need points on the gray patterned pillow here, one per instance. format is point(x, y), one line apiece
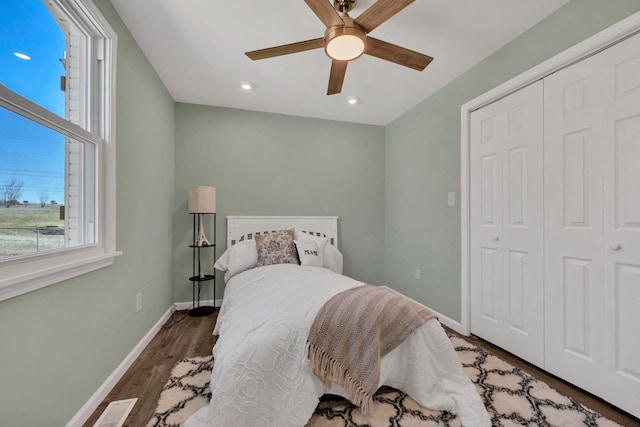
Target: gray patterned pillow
point(276, 248)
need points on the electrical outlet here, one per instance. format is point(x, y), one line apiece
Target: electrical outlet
point(138, 301)
point(417, 274)
point(451, 199)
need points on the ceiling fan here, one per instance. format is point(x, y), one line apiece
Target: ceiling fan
point(346, 39)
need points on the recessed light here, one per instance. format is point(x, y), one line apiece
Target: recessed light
point(22, 56)
point(247, 85)
point(353, 100)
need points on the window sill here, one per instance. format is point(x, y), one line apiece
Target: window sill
point(29, 274)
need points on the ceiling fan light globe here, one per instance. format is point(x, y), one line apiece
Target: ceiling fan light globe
point(344, 43)
point(345, 48)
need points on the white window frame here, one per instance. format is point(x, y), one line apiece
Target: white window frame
point(25, 274)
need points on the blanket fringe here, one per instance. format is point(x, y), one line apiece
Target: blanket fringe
point(330, 371)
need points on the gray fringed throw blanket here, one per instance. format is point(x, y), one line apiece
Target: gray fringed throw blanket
point(353, 331)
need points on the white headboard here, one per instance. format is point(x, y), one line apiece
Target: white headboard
point(245, 227)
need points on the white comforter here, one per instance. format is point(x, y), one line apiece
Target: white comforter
point(261, 375)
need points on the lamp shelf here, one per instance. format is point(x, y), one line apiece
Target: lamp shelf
point(202, 279)
point(200, 241)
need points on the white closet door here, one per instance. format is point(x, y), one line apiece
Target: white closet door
point(506, 238)
point(621, 133)
point(592, 224)
point(573, 223)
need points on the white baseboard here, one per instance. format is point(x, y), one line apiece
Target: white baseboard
point(447, 321)
point(87, 409)
point(187, 305)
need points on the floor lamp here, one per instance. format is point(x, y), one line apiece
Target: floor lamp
point(202, 200)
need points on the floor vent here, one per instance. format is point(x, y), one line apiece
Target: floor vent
point(116, 413)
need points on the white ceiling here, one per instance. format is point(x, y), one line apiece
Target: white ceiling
point(197, 48)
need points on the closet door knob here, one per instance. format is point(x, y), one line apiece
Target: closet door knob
point(496, 238)
point(615, 246)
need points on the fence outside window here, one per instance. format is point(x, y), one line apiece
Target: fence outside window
point(16, 241)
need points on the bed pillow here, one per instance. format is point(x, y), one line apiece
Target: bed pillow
point(276, 248)
point(238, 258)
point(332, 258)
point(303, 236)
point(309, 253)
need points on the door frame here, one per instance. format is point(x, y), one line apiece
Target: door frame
point(592, 45)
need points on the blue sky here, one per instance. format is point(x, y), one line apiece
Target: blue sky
point(30, 153)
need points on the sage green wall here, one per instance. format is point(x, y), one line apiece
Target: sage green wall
point(422, 158)
point(271, 164)
point(59, 344)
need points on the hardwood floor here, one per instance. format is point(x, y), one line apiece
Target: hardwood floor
point(181, 337)
point(185, 336)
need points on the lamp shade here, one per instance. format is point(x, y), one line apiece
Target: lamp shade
point(202, 199)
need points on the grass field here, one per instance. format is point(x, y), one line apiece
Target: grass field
point(21, 230)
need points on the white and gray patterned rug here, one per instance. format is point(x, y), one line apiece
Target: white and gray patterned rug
point(186, 391)
point(511, 396)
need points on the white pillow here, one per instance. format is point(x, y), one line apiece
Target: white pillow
point(309, 253)
point(238, 258)
point(303, 236)
point(331, 256)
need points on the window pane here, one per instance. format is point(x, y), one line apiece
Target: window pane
point(32, 53)
point(63, 151)
point(47, 188)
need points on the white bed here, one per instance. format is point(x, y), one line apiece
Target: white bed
point(261, 375)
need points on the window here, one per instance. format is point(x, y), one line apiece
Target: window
point(57, 143)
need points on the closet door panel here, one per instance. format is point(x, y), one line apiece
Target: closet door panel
point(627, 319)
point(490, 286)
point(573, 223)
point(523, 222)
point(626, 152)
point(621, 286)
point(506, 189)
point(486, 221)
point(577, 180)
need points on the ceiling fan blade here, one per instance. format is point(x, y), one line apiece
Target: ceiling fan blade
point(379, 12)
point(338, 70)
point(285, 49)
point(397, 54)
point(325, 11)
